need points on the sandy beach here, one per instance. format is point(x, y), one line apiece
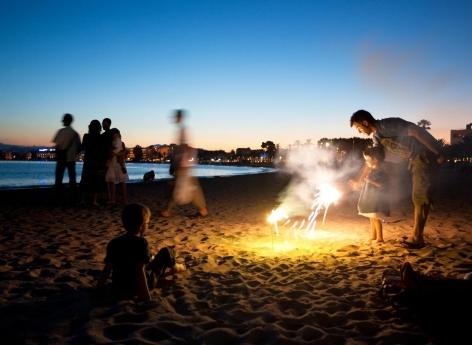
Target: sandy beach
point(241, 285)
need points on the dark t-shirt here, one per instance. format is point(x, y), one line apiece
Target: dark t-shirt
point(108, 143)
point(127, 254)
point(392, 134)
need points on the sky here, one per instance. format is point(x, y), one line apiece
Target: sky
point(245, 71)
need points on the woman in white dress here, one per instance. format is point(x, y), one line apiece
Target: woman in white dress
point(116, 172)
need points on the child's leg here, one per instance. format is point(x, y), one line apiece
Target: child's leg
point(373, 230)
point(378, 229)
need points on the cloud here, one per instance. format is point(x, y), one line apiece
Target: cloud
point(417, 85)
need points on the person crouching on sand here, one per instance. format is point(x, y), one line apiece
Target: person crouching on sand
point(373, 202)
point(128, 259)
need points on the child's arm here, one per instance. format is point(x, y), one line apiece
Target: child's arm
point(105, 275)
point(143, 290)
point(372, 182)
point(355, 184)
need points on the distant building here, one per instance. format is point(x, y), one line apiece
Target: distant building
point(458, 135)
point(164, 152)
point(46, 154)
point(8, 156)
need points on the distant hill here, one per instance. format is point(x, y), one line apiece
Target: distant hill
point(19, 148)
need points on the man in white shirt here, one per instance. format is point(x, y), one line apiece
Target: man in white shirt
point(67, 142)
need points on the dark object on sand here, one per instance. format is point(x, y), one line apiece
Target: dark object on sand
point(163, 260)
point(438, 305)
point(149, 176)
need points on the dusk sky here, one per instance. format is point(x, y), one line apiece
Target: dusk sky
point(246, 71)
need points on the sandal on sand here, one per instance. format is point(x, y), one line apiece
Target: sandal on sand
point(412, 245)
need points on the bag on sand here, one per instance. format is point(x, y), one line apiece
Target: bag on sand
point(163, 260)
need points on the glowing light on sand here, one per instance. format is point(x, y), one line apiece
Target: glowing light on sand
point(325, 196)
point(276, 216)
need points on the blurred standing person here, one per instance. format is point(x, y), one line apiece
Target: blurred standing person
point(108, 143)
point(116, 168)
point(93, 172)
point(67, 142)
point(187, 188)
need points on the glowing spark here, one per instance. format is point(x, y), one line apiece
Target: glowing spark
point(277, 215)
point(325, 195)
point(328, 195)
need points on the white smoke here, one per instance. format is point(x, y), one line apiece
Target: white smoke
point(310, 168)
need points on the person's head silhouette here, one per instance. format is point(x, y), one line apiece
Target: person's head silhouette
point(67, 119)
point(106, 124)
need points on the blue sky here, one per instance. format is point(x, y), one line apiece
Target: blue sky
point(246, 71)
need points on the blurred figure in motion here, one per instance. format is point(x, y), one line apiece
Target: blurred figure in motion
point(186, 188)
point(67, 142)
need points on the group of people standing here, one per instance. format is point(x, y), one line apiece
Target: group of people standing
point(104, 161)
point(104, 165)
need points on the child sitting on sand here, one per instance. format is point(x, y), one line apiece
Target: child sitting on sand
point(129, 260)
point(373, 202)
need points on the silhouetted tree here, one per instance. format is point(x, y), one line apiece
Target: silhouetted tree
point(138, 153)
point(270, 149)
point(424, 124)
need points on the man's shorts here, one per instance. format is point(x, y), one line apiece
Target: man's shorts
point(422, 167)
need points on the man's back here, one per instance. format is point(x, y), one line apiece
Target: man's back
point(67, 139)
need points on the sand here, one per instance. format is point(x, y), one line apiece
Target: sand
point(238, 287)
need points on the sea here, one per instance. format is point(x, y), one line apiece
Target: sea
point(27, 174)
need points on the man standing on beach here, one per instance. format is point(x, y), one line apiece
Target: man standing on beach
point(67, 142)
point(407, 141)
point(108, 147)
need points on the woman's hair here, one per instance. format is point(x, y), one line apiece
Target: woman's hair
point(94, 127)
point(134, 216)
point(376, 152)
point(114, 131)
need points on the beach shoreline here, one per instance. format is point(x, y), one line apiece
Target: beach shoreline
point(237, 288)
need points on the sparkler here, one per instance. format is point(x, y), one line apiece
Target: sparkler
point(325, 196)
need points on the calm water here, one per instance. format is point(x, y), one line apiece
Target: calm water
point(15, 174)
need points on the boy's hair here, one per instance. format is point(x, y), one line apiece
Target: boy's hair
point(376, 152)
point(362, 115)
point(134, 216)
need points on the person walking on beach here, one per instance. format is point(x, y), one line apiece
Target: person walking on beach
point(407, 141)
point(186, 189)
point(67, 142)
